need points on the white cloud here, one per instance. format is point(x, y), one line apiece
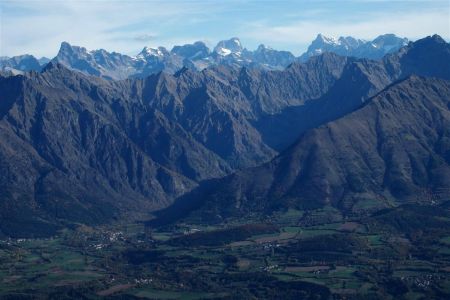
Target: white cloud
point(144, 37)
point(112, 25)
point(39, 26)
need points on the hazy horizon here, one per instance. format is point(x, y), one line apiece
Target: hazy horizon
point(39, 27)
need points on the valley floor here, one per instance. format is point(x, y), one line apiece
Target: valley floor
point(290, 255)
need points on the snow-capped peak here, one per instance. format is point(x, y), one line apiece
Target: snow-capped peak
point(223, 51)
point(350, 46)
point(227, 47)
point(327, 40)
point(389, 41)
point(149, 51)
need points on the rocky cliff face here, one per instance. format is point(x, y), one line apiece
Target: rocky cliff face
point(65, 157)
point(358, 80)
point(389, 151)
point(78, 148)
point(372, 156)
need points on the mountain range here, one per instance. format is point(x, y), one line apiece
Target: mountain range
point(388, 142)
point(22, 63)
point(222, 141)
point(350, 46)
point(367, 161)
point(197, 56)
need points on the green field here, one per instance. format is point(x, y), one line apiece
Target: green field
point(306, 253)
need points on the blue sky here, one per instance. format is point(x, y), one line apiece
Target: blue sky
point(39, 26)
